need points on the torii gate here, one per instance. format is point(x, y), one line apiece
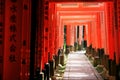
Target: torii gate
point(21, 27)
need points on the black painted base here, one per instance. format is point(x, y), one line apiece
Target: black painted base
point(118, 72)
point(112, 67)
point(46, 71)
point(51, 62)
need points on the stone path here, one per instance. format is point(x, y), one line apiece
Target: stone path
point(78, 67)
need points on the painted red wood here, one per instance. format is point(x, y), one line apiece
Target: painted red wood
point(2, 17)
point(116, 48)
point(12, 45)
point(87, 34)
point(60, 33)
point(98, 31)
point(103, 31)
point(75, 34)
point(93, 34)
point(90, 33)
point(118, 33)
point(52, 24)
point(80, 35)
point(57, 35)
point(72, 37)
point(51, 27)
point(61, 36)
point(68, 39)
point(25, 47)
point(79, 0)
point(109, 29)
point(55, 31)
point(45, 32)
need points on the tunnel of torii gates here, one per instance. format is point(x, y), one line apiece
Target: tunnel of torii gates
point(33, 31)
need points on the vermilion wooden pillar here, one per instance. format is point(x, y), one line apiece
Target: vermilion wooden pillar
point(117, 28)
point(98, 26)
point(93, 37)
point(61, 36)
point(45, 31)
point(57, 32)
point(2, 26)
point(106, 27)
point(53, 29)
point(75, 33)
point(12, 45)
point(68, 39)
point(109, 29)
point(25, 39)
point(69, 35)
point(103, 31)
point(72, 35)
point(116, 31)
point(60, 29)
point(88, 35)
point(117, 36)
point(55, 26)
point(39, 36)
point(51, 11)
point(56, 39)
point(79, 39)
point(85, 32)
point(91, 33)
point(52, 24)
point(80, 34)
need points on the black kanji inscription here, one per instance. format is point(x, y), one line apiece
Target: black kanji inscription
point(13, 38)
point(13, 28)
point(1, 59)
point(1, 29)
point(1, 41)
point(1, 36)
point(25, 7)
point(13, 1)
point(23, 61)
point(13, 8)
point(1, 24)
point(24, 42)
point(13, 18)
point(12, 58)
point(12, 48)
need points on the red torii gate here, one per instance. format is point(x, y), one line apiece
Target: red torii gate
point(105, 39)
point(80, 0)
point(23, 42)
